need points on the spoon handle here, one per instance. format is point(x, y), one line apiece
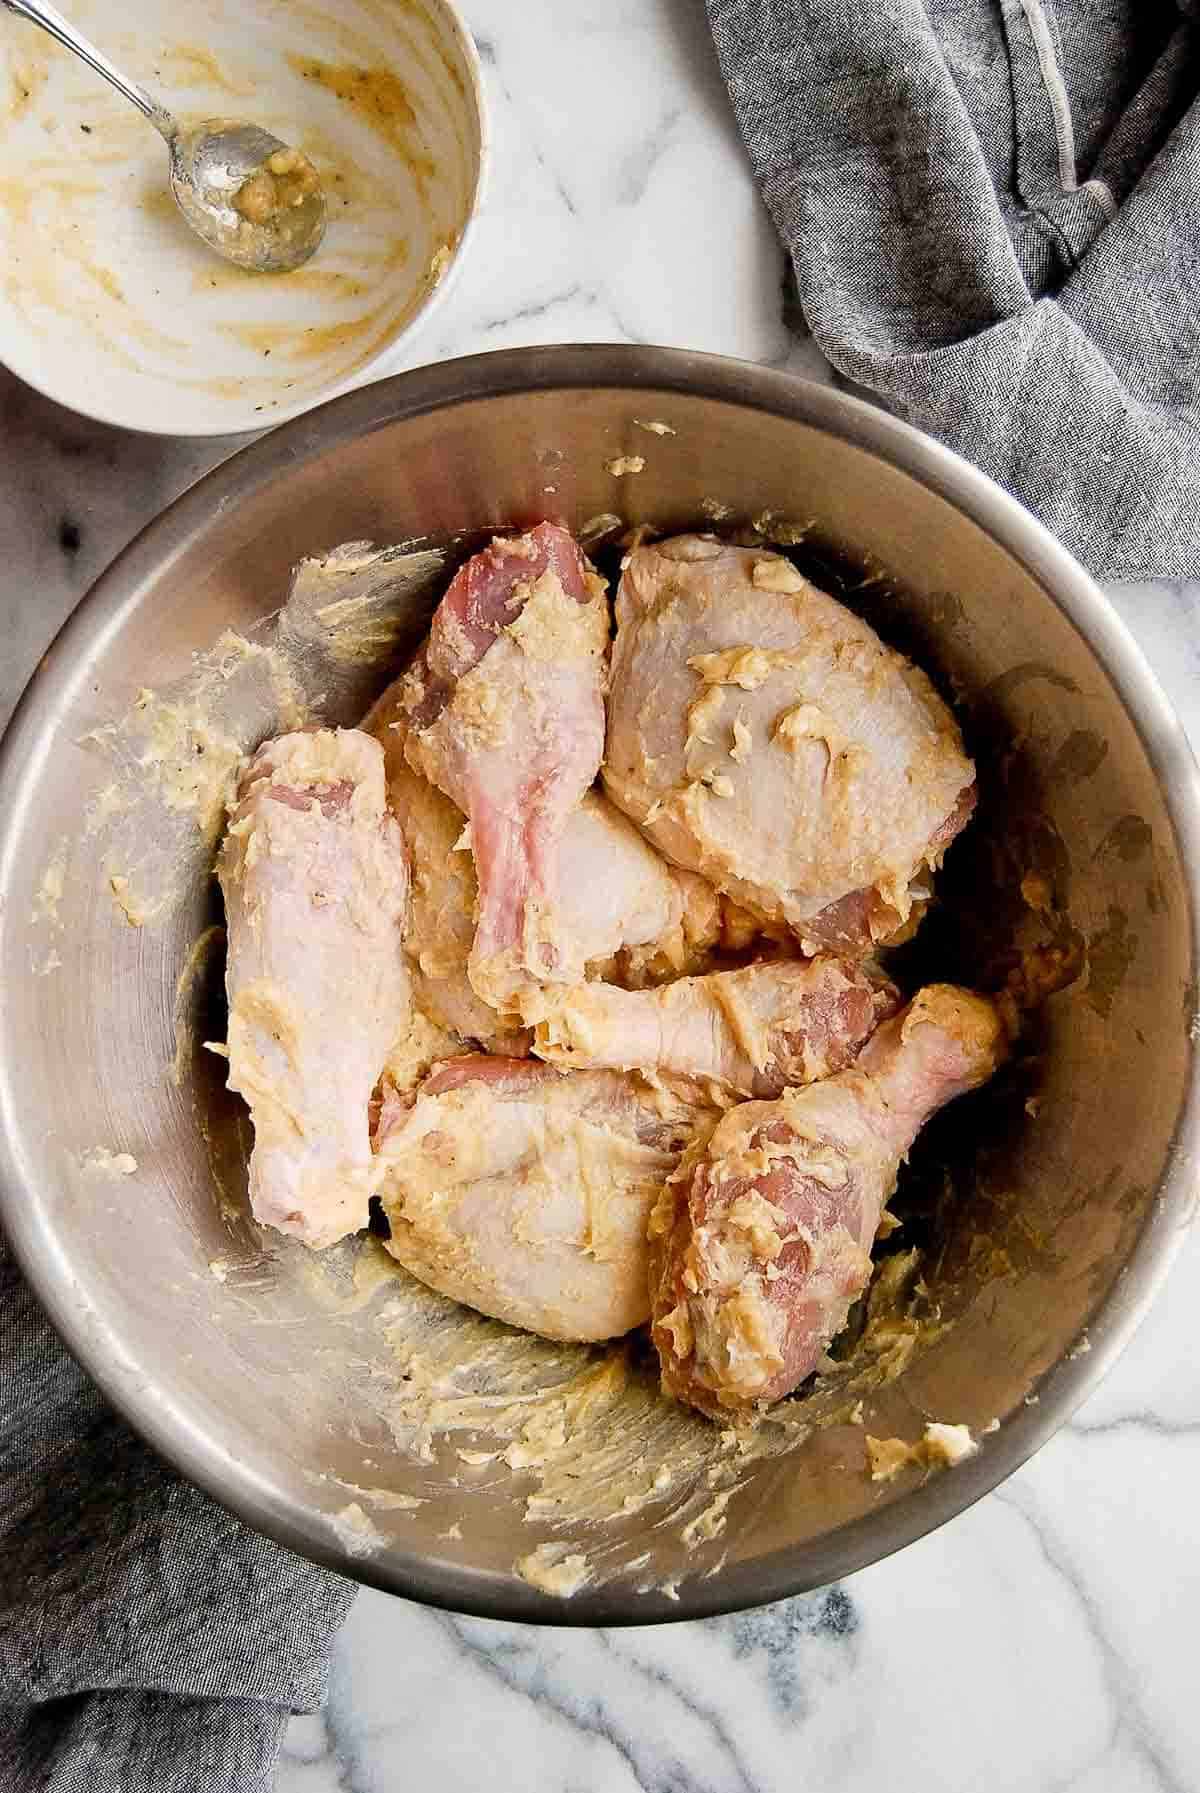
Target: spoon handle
point(40, 12)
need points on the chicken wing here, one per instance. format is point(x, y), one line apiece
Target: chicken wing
point(524, 1191)
point(506, 716)
point(315, 882)
point(756, 1031)
point(759, 1248)
point(764, 736)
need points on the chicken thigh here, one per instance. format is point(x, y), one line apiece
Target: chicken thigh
point(759, 1248)
point(761, 734)
point(756, 1031)
point(618, 897)
point(315, 884)
point(505, 707)
point(524, 1191)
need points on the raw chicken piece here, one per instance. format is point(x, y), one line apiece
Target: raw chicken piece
point(764, 1241)
point(756, 1031)
point(762, 735)
point(441, 913)
point(524, 1191)
point(315, 883)
point(506, 712)
point(621, 897)
point(617, 895)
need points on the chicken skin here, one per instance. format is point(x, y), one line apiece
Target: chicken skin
point(441, 914)
point(760, 1246)
point(505, 707)
point(617, 895)
point(524, 1191)
point(762, 735)
point(756, 1031)
point(315, 882)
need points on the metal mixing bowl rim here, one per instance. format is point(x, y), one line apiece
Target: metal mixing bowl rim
point(793, 1569)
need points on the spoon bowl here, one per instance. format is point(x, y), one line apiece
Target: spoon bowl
point(212, 165)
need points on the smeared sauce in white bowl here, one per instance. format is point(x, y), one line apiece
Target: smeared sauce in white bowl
point(110, 306)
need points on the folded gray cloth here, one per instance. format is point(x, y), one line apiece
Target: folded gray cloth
point(149, 1642)
point(992, 209)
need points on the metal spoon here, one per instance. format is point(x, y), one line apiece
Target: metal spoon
point(251, 198)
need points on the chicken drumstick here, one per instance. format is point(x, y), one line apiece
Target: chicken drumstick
point(759, 1248)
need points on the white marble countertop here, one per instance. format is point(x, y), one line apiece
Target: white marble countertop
point(1045, 1639)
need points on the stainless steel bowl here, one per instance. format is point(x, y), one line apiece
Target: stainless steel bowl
point(1063, 1222)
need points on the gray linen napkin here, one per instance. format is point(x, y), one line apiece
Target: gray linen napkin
point(149, 1642)
point(992, 209)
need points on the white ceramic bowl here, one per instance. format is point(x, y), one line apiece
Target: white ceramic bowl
point(109, 305)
